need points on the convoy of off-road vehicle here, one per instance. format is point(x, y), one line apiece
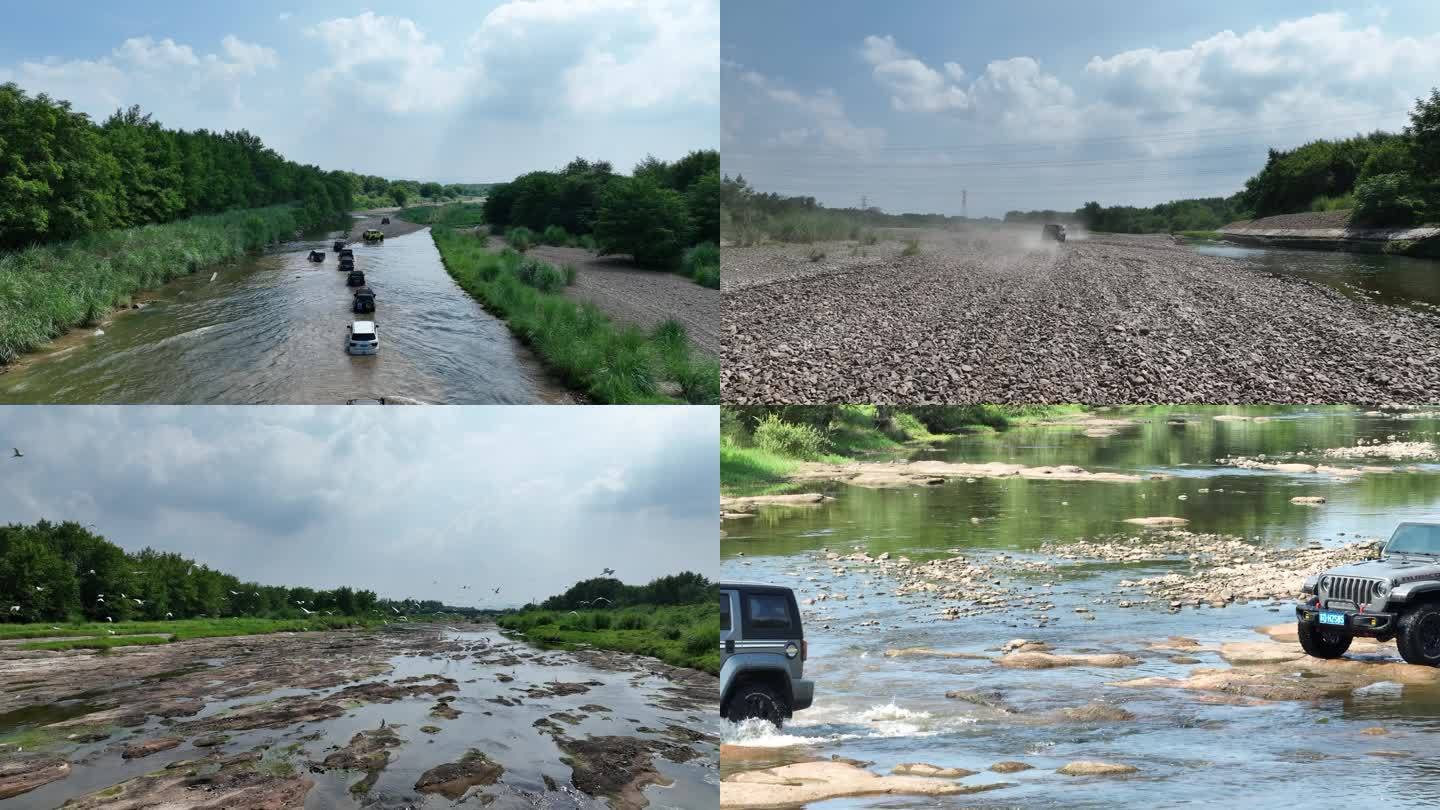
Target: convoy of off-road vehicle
point(362, 299)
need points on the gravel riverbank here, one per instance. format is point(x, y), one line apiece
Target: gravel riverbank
point(1105, 319)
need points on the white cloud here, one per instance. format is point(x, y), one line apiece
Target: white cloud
point(632, 54)
point(386, 60)
point(285, 15)
point(1272, 73)
point(827, 122)
point(914, 86)
point(144, 67)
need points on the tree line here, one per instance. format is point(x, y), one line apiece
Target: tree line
point(1384, 178)
point(56, 572)
point(373, 191)
point(63, 176)
point(687, 588)
point(654, 214)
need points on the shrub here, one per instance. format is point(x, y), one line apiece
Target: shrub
point(570, 273)
point(912, 248)
point(520, 238)
point(700, 637)
point(631, 621)
point(555, 235)
point(1387, 199)
point(702, 263)
point(586, 241)
point(1324, 202)
point(543, 276)
point(785, 439)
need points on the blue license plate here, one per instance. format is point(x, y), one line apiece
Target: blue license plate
point(1331, 617)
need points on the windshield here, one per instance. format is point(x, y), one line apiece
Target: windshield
point(363, 337)
point(1415, 538)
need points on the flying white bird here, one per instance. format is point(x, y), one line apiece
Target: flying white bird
point(609, 571)
point(39, 588)
point(497, 590)
point(397, 613)
point(307, 612)
point(108, 619)
point(600, 599)
point(169, 615)
point(573, 613)
point(111, 632)
point(140, 602)
point(14, 608)
point(234, 593)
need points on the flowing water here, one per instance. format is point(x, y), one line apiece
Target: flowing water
point(272, 328)
point(1190, 750)
point(1399, 280)
point(635, 703)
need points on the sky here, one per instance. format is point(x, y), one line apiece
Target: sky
point(446, 90)
point(1030, 105)
point(411, 502)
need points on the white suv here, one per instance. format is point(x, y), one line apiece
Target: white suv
point(363, 338)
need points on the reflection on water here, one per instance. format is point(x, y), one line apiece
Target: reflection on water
point(1190, 749)
point(271, 329)
point(1392, 279)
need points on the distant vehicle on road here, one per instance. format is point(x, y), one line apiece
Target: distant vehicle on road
point(363, 339)
point(1054, 231)
point(1396, 596)
point(317, 255)
point(385, 220)
point(339, 246)
point(762, 653)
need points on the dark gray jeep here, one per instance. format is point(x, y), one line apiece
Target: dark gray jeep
point(1396, 596)
point(762, 653)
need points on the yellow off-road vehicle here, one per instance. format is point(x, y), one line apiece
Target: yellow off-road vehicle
point(374, 235)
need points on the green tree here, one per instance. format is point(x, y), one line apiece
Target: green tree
point(639, 217)
point(399, 194)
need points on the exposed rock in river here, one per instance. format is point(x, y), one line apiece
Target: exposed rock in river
point(453, 779)
point(806, 782)
point(24, 772)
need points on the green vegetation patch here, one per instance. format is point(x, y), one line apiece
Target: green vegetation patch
point(96, 643)
point(609, 362)
point(452, 215)
point(680, 635)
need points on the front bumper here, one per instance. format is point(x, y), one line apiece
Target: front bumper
point(1359, 623)
point(802, 694)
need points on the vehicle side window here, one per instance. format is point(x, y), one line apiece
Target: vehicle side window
point(724, 612)
point(768, 611)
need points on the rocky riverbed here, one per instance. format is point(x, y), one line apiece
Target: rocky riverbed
point(415, 717)
point(1110, 319)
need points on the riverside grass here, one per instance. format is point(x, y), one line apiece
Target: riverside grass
point(94, 635)
point(679, 635)
point(611, 363)
point(49, 289)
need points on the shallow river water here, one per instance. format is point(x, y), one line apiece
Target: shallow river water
point(1400, 280)
point(623, 696)
point(1190, 749)
point(272, 328)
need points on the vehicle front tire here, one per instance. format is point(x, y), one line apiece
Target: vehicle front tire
point(1323, 642)
point(1418, 635)
point(757, 700)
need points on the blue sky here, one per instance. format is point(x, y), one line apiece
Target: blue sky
point(446, 90)
point(1030, 104)
point(392, 499)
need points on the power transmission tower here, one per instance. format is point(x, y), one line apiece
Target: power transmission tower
point(864, 203)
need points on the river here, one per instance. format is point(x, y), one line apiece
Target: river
point(268, 721)
point(271, 329)
point(1372, 745)
point(1399, 280)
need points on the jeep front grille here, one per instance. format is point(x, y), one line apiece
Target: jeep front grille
point(1348, 589)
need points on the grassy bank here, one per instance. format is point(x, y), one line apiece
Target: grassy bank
point(1215, 235)
point(681, 635)
point(611, 363)
point(47, 290)
point(95, 635)
point(452, 215)
point(761, 446)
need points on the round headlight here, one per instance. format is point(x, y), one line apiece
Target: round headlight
point(792, 649)
point(1325, 583)
point(1381, 589)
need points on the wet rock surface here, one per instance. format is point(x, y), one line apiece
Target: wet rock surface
point(1111, 319)
point(198, 707)
point(454, 779)
point(806, 782)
